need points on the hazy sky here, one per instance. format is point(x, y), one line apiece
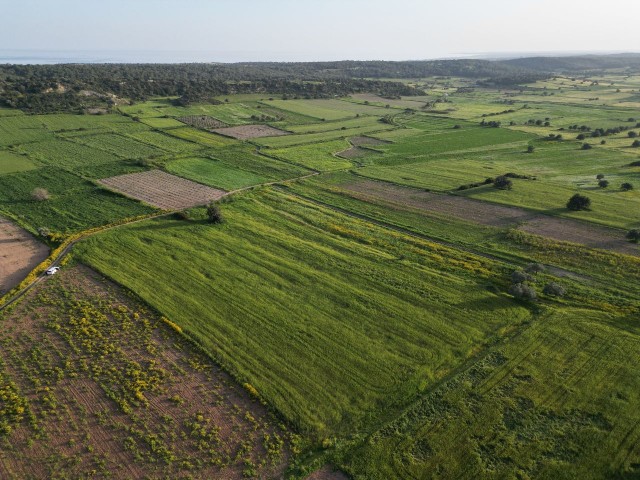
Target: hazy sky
point(239, 30)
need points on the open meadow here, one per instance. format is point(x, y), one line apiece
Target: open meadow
point(389, 286)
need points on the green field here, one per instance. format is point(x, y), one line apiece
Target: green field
point(558, 401)
point(214, 173)
point(317, 156)
point(325, 300)
point(12, 163)
point(75, 204)
point(366, 302)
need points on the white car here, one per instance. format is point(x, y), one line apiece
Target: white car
point(52, 270)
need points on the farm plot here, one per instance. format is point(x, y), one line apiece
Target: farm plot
point(318, 156)
point(327, 109)
point(214, 173)
point(12, 163)
point(19, 129)
point(67, 154)
point(308, 138)
point(356, 152)
point(94, 384)
point(20, 253)
point(247, 132)
point(484, 213)
point(162, 190)
point(161, 122)
point(205, 139)
point(558, 401)
point(123, 147)
point(311, 298)
point(74, 204)
point(166, 142)
point(203, 122)
point(366, 141)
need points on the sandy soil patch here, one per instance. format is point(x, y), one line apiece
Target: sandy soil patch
point(327, 473)
point(162, 189)
point(77, 349)
point(246, 132)
point(20, 252)
point(494, 215)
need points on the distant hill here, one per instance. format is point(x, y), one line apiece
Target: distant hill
point(577, 64)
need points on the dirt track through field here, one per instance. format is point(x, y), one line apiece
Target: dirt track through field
point(20, 252)
point(484, 213)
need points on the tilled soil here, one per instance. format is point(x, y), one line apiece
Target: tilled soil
point(20, 253)
point(163, 190)
point(494, 215)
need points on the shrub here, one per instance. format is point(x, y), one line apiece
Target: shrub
point(579, 202)
point(534, 268)
point(523, 291)
point(600, 176)
point(626, 186)
point(636, 144)
point(603, 183)
point(182, 215)
point(40, 194)
point(518, 276)
point(214, 214)
point(531, 149)
point(503, 183)
point(554, 289)
point(580, 137)
point(632, 134)
point(634, 235)
point(586, 146)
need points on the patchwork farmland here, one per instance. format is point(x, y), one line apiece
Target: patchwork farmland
point(262, 286)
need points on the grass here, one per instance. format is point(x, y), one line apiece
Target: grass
point(12, 163)
point(327, 109)
point(309, 138)
point(557, 401)
point(75, 204)
point(205, 139)
point(67, 155)
point(317, 156)
point(214, 173)
point(294, 298)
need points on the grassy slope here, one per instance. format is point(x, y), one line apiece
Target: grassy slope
point(294, 298)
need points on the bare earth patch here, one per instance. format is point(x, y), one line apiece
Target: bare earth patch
point(484, 213)
point(246, 132)
point(162, 190)
point(327, 473)
point(366, 141)
point(101, 387)
point(203, 122)
point(20, 253)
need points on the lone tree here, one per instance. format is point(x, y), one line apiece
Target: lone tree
point(636, 144)
point(40, 194)
point(503, 183)
point(534, 268)
point(554, 289)
point(586, 146)
point(603, 183)
point(634, 235)
point(579, 202)
point(600, 176)
point(213, 213)
point(531, 149)
point(626, 186)
point(518, 276)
